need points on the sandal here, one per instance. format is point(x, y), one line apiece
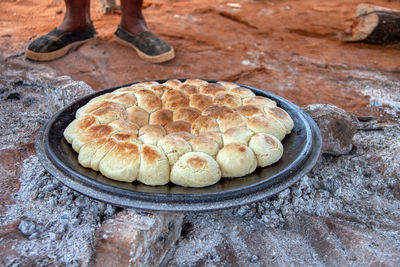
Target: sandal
point(57, 43)
point(148, 46)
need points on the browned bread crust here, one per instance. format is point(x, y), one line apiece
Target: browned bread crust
point(190, 133)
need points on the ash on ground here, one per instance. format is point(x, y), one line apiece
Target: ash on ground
point(29, 97)
point(370, 174)
point(59, 224)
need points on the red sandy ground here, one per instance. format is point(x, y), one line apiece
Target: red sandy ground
point(287, 47)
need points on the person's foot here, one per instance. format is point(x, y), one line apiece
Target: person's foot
point(58, 42)
point(148, 46)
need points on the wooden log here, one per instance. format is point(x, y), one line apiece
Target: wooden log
point(109, 7)
point(374, 25)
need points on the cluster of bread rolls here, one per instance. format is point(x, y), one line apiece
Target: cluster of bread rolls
point(189, 133)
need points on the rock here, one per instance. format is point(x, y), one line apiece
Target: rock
point(13, 96)
point(342, 243)
point(254, 259)
point(337, 128)
point(136, 239)
point(27, 228)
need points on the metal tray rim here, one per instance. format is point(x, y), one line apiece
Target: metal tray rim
point(213, 200)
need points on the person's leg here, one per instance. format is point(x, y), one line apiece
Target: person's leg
point(75, 29)
point(77, 15)
point(133, 32)
point(132, 19)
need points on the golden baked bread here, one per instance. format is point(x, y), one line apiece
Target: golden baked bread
point(191, 133)
point(236, 160)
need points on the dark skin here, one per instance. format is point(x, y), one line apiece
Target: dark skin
point(77, 16)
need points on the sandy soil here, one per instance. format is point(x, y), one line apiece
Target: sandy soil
point(287, 47)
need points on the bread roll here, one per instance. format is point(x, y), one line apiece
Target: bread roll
point(216, 136)
point(280, 115)
point(152, 128)
point(188, 89)
point(174, 147)
point(105, 111)
point(217, 111)
point(184, 135)
point(126, 99)
point(154, 166)
point(177, 126)
point(151, 133)
point(259, 101)
point(125, 126)
point(122, 162)
point(161, 117)
point(125, 137)
point(148, 100)
point(204, 144)
point(204, 124)
point(101, 152)
point(133, 88)
point(200, 102)
point(228, 85)
point(110, 112)
point(187, 114)
point(79, 125)
point(158, 89)
point(88, 150)
point(174, 100)
point(172, 83)
point(267, 148)
point(238, 134)
point(242, 92)
point(99, 98)
point(228, 99)
point(91, 106)
point(195, 169)
point(92, 133)
point(196, 82)
point(260, 124)
point(236, 160)
point(147, 84)
point(138, 116)
point(230, 120)
point(211, 89)
point(250, 110)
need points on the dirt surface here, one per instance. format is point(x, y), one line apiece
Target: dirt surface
point(286, 47)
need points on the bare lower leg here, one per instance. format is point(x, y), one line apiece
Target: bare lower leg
point(77, 15)
point(132, 19)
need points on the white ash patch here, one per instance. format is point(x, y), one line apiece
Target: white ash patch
point(203, 245)
point(28, 101)
point(383, 91)
point(366, 178)
point(58, 223)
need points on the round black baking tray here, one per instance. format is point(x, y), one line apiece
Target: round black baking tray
point(301, 151)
